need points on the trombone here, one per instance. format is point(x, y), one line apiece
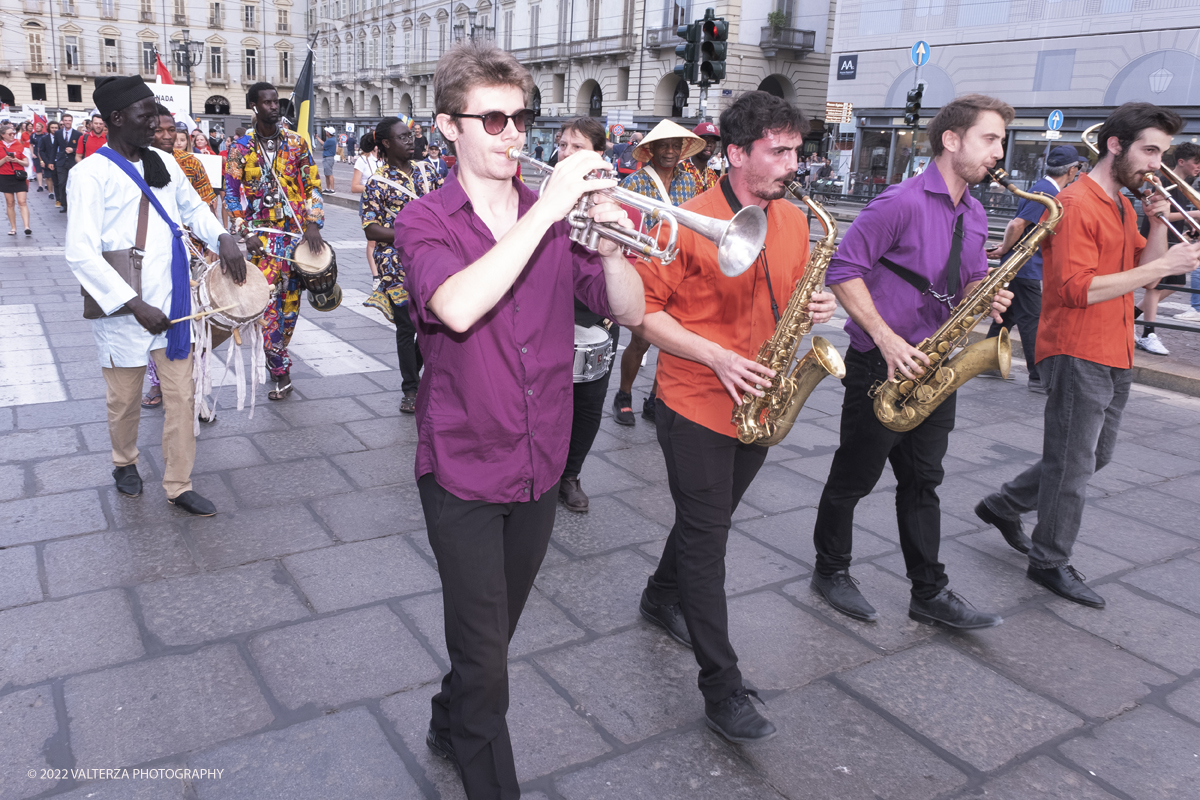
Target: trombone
point(1156, 183)
point(739, 240)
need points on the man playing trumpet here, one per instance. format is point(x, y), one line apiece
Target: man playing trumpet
point(708, 328)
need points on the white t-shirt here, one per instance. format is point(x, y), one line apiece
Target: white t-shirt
point(366, 165)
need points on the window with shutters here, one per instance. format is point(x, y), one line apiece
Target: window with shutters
point(216, 61)
point(148, 60)
point(36, 61)
point(146, 11)
point(109, 63)
point(285, 66)
point(535, 21)
point(249, 18)
point(71, 53)
point(250, 71)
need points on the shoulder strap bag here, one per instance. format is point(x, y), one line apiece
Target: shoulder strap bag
point(126, 263)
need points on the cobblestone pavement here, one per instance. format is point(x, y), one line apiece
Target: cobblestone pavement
point(294, 640)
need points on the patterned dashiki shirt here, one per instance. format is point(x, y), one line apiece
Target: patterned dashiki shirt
point(684, 185)
point(382, 200)
point(706, 179)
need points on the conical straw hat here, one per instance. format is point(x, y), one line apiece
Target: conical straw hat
point(666, 129)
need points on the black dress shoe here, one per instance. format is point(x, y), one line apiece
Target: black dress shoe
point(947, 608)
point(441, 746)
point(841, 592)
point(669, 618)
point(193, 503)
point(129, 483)
point(648, 408)
point(571, 494)
point(1013, 530)
point(1066, 581)
point(737, 720)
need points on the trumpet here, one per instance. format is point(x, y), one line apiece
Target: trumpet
point(1156, 183)
point(739, 240)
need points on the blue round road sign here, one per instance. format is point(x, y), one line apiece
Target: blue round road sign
point(919, 54)
point(1055, 121)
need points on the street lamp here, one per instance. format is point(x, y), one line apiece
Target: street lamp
point(188, 54)
point(461, 32)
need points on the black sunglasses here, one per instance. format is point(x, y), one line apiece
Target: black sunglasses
point(494, 122)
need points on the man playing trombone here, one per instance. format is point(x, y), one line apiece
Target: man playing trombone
point(1085, 342)
point(709, 328)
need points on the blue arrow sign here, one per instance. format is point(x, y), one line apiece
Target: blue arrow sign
point(1055, 120)
point(919, 54)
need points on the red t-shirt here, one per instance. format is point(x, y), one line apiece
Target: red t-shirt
point(90, 143)
point(16, 150)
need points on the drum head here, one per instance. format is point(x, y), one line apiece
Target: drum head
point(249, 300)
point(312, 263)
point(593, 335)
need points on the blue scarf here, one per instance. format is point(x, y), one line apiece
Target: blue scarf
point(179, 335)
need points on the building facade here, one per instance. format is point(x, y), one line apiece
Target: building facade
point(51, 51)
point(1082, 58)
point(586, 56)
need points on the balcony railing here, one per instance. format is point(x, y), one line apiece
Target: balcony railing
point(249, 24)
point(180, 19)
point(790, 43)
point(38, 68)
point(145, 16)
point(658, 38)
point(282, 28)
point(541, 53)
point(396, 71)
point(605, 45)
point(216, 77)
point(422, 67)
point(216, 22)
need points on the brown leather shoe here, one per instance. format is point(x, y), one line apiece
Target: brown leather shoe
point(572, 496)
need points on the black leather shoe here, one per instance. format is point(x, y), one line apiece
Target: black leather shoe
point(129, 483)
point(441, 746)
point(623, 408)
point(1013, 530)
point(947, 608)
point(841, 592)
point(737, 720)
point(648, 408)
point(193, 503)
point(571, 494)
point(1066, 581)
point(669, 618)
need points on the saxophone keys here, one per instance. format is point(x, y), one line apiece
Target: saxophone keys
point(906, 386)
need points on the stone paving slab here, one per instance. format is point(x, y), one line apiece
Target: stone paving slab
point(370, 513)
point(830, 746)
point(340, 755)
point(941, 694)
point(332, 661)
point(253, 534)
point(155, 708)
point(64, 637)
point(19, 577)
point(37, 519)
point(1044, 779)
point(214, 605)
point(360, 573)
point(1147, 753)
point(115, 558)
point(27, 722)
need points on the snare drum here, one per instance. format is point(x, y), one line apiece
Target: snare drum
point(218, 290)
point(593, 353)
point(318, 273)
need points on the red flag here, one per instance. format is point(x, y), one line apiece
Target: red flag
point(160, 69)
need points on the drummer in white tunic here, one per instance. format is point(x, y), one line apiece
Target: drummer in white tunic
point(137, 328)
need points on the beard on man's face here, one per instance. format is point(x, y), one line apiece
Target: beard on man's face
point(1125, 173)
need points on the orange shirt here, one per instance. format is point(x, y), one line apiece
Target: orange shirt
point(1091, 239)
point(735, 313)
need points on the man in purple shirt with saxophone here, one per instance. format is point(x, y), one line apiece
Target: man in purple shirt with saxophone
point(911, 255)
point(492, 278)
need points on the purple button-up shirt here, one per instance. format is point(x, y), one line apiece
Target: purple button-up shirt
point(495, 404)
point(910, 224)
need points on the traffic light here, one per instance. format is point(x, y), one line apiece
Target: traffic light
point(713, 48)
point(912, 108)
point(689, 51)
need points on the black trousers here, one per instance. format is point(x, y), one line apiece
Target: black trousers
point(708, 473)
point(407, 349)
point(1024, 313)
point(487, 556)
point(916, 458)
point(60, 183)
point(589, 408)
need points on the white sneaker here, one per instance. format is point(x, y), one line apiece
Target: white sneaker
point(1151, 344)
point(1191, 315)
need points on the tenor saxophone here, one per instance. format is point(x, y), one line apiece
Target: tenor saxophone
point(902, 404)
point(766, 420)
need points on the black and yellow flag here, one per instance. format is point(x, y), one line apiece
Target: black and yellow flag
point(303, 100)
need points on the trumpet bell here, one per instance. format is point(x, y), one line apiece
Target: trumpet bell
point(741, 241)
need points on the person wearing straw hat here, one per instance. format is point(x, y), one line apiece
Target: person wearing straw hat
point(664, 176)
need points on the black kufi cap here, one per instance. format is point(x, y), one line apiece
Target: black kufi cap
point(115, 93)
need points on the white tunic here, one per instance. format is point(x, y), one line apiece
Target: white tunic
point(103, 216)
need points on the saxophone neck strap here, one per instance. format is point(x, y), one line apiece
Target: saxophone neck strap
point(953, 270)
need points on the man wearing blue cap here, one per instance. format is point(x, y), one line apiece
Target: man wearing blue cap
point(1062, 167)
